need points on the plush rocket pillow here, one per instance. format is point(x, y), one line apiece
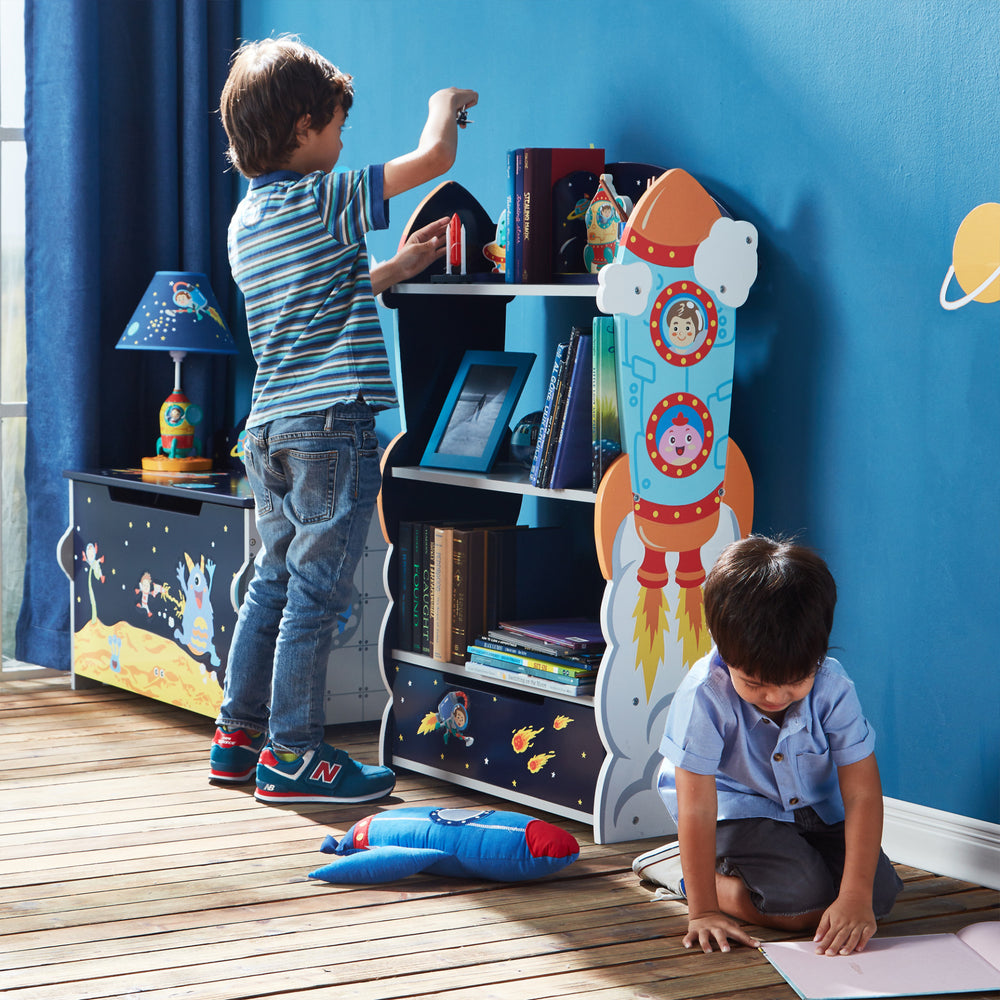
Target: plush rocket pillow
point(464, 843)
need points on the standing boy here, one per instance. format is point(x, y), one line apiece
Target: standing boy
point(297, 250)
point(769, 770)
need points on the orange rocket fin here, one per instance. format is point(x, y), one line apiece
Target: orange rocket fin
point(614, 502)
point(651, 625)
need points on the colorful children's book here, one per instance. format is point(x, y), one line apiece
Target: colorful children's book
point(572, 464)
point(510, 674)
point(606, 435)
point(555, 427)
point(534, 476)
point(921, 965)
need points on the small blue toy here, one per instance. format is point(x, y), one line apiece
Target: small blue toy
point(462, 843)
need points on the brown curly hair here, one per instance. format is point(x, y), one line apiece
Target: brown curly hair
point(271, 85)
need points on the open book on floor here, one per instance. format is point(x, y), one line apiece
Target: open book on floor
point(922, 965)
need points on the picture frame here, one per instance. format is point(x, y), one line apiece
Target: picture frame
point(477, 410)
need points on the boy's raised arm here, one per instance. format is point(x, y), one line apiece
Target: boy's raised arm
point(435, 152)
point(697, 807)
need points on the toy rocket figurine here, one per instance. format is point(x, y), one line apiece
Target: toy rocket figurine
point(605, 217)
point(455, 247)
point(680, 272)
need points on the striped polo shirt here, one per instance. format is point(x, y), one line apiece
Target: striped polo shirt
point(297, 252)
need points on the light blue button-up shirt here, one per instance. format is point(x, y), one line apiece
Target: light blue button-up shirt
point(761, 768)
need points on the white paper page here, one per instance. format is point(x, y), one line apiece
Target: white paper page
point(984, 938)
point(903, 966)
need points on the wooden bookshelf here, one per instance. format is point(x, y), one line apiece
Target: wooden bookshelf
point(561, 765)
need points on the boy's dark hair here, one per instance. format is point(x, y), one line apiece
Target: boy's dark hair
point(769, 606)
point(272, 83)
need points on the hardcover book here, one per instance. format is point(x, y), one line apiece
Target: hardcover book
point(572, 464)
point(468, 589)
point(543, 167)
point(605, 432)
point(555, 428)
point(571, 633)
point(550, 402)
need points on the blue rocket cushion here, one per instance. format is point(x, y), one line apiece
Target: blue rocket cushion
point(464, 843)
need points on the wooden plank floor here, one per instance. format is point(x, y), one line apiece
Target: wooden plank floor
point(123, 873)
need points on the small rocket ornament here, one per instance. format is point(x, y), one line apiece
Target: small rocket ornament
point(680, 272)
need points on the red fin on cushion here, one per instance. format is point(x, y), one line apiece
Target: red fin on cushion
point(548, 841)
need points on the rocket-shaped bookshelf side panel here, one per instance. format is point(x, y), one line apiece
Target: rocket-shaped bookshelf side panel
point(681, 270)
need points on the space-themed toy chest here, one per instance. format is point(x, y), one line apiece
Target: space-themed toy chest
point(534, 748)
point(157, 565)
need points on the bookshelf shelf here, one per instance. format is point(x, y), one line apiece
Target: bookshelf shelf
point(499, 289)
point(503, 479)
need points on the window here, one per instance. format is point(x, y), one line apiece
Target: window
point(13, 393)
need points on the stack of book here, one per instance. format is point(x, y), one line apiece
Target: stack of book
point(546, 187)
point(560, 656)
point(563, 453)
point(458, 579)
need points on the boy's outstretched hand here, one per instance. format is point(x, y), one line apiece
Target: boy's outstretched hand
point(422, 248)
point(845, 927)
point(419, 251)
point(717, 928)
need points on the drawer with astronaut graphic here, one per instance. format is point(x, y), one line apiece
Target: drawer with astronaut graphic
point(521, 745)
point(157, 565)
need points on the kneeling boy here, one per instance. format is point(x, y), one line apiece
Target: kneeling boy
point(769, 768)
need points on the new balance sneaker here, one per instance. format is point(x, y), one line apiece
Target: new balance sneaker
point(234, 755)
point(662, 867)
point(321, 775)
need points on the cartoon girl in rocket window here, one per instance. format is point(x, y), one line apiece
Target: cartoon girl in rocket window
point(682, 438)
point(684, 323)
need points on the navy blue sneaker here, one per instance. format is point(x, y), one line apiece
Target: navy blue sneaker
point(233, 759)
point(321, 775)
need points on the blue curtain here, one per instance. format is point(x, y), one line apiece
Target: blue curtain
point(126, 176)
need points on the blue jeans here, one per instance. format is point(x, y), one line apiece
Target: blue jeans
point(315, 480)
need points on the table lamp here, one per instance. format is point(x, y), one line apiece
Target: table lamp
point(178, 313)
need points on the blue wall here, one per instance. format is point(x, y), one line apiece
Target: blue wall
point(856, 137)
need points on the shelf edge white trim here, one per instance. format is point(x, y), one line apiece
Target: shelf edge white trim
point(553, 290)
point(497, 482)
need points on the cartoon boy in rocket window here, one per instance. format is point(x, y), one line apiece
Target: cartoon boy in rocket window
point(683, 323)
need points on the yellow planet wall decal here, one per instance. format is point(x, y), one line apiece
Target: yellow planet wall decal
point(975, 258)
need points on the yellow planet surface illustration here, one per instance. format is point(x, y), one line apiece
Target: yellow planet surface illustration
point(127, 657)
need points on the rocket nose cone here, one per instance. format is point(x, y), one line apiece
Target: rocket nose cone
point(675, 211)
point(545, 840)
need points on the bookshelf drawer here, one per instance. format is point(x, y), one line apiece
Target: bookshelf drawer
point(524, 745)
